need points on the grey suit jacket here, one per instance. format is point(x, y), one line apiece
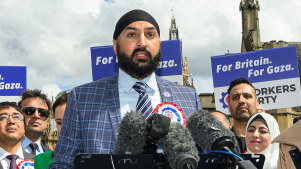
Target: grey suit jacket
point(26, 156)
point(92, 117)
point(45, 149)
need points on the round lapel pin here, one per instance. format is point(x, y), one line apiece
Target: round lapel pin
point(167, 94)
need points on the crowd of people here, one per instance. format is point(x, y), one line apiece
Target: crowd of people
point(89, 115)
point(22, 126)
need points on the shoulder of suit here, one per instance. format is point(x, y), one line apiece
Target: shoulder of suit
point(99, 83)
point(290, 136)
point(43, 155)
point(27, 155)
point(173, 84)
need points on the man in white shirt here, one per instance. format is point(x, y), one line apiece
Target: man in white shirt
point(11, 134)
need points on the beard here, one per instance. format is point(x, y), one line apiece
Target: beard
point(242, 116)
point(127, 63)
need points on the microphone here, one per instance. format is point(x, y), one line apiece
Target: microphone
point(179, 148)
point(132, 133)
point(209, 133)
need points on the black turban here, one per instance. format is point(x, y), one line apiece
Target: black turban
point(133, 16)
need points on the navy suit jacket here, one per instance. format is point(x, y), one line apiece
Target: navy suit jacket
point(92, 117)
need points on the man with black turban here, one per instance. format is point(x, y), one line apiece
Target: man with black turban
point(94, 110)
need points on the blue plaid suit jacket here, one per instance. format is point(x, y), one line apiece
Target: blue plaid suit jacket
point(92, 117)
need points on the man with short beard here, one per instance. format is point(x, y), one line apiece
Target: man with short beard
point(94, 110)
point(242, 104)
point(35, 106)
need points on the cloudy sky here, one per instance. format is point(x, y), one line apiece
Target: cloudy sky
point(52, 38)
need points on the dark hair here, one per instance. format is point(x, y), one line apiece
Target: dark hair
point(35, 93)
point(296, 119)
point(259, 118)
point(60, 101)
point(7, 105)
point(225, 115)
point(239, 81)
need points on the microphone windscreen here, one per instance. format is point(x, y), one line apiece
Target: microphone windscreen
point(206, 129)
point(132, 133)
point(179, 147)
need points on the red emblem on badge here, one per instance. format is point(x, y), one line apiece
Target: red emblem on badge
point(26, 164)
point(172, 111)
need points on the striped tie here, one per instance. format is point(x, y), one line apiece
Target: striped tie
point(144, 104)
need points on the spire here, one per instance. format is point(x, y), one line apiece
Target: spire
point(173, 30)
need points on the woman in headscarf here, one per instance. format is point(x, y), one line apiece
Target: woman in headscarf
point(262, 128)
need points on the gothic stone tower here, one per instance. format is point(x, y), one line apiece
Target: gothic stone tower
point(250, 25)
point(174, 35)
point(173, 30)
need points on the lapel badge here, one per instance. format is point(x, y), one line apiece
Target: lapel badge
point(167, 94)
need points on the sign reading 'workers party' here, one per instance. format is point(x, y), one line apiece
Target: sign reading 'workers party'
point(12, 80)
point(104, 62)
point(273, 72)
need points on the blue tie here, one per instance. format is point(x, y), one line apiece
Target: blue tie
point(144, 104)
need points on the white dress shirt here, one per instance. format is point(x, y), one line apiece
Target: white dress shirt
point(6, 162)
point(128, 96)
point(25, 144)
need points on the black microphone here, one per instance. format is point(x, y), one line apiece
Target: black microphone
point(179, 148)
point(132, 133)
point(157, 128)
point(209, 133)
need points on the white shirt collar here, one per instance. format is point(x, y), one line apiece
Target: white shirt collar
point(26, 141)
point(4, 153)
point(126, 82)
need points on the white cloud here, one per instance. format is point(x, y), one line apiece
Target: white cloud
point(51, 90)
point(53, 38)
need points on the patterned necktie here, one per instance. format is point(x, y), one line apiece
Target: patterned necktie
point(144, 104)
point(13, 163)
point(33, 147)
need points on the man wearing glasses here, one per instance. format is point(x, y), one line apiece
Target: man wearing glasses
point(35, 106)
point(11, 134)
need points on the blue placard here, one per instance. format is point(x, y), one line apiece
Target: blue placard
point(273, 72)
point(12, 80)
point(256, 66)
point(104, 62)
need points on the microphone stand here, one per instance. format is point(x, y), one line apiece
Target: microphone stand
point(151, 148)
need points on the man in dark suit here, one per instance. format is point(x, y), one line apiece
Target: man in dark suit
point(11, 134)
point(94, 110)
point(35, 106)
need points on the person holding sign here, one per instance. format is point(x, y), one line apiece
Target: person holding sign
point(94, 110)
point(243, 103)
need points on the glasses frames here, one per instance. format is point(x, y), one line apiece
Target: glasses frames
point(31, 110)
point(17, 117)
